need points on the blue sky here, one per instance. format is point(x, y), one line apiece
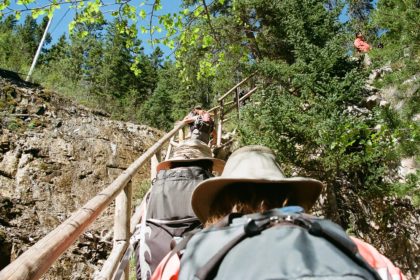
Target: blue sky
point(63, 16)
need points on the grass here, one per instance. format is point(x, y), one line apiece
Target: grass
point(132, 268)
point(140, 191)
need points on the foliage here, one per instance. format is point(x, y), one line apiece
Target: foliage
point(157, 111)
point(90, 12)
point(96, 69)
point(312, 113)
point(26, 36)
point(399, 22)
point(140, 191)
point(359, 12)
point(409, 188)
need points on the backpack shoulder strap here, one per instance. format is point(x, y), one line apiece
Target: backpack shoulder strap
point(251, 228)
point(335, 234)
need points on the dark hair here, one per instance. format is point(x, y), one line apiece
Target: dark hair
point(246, 198)
point(358, 33)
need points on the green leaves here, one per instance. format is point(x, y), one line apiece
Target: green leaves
point(185, 12)
point(38, 12)
point(142, 14)
point(207, 41)
point(24, 2)
point(4, 4)
point(129, 11)
point(157, 5)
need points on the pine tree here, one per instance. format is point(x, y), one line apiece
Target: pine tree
point(160, 109)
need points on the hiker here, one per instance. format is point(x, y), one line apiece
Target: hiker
point(253, 215)
point(201, 125)
point(360, 44)
point(168, 210)
point(362, 48)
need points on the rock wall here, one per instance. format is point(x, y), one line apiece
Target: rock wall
point(54, 157)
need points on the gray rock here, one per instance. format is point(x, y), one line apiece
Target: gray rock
point(50, 170)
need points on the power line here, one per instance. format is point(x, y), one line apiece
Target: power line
point(61, 19)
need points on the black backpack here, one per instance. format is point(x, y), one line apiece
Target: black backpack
point(279, 244)
point(168, 216)
point(204, 124)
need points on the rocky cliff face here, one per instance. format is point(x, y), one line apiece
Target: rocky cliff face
point(54, 157)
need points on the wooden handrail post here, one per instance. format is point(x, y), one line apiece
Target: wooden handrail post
point(237, 101)
point(181, 135)
point(169, 150)
point(122, 233)
point(154, 161)
point(219, 124)
point(122, 220)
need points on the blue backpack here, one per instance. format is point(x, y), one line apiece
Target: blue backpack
point(279, 244)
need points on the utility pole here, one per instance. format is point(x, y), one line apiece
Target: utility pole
point(38, 51)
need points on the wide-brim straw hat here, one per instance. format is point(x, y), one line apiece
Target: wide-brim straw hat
point(190, 151)
point(256, 165)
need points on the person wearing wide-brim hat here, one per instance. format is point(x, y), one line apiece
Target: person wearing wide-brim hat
point(252, 176)
point(252, 182)
point(191, 152)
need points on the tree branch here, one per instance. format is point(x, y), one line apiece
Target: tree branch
point(209, 22)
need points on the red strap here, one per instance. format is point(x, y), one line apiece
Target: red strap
point(379, 262)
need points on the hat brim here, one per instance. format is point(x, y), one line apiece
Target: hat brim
point(218, 164)
point(302, 191)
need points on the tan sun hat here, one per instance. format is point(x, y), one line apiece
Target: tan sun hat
point(254, 164)
point(190, 151)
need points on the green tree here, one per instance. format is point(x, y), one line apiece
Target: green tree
point(8, 41)
point(20, 42)
point(359, 13)
point(30, 34)
point(118, 77)
point(399, 22)
point(52, 64)
point(160, 109)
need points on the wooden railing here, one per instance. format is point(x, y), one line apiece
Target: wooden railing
point(38, 258)
point(224, 107)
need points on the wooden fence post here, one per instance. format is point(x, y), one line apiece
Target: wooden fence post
point(219, 125)
point(169, 150)
point(181, 135)
point(237, 101)
point(122, 220)
point(154, 161)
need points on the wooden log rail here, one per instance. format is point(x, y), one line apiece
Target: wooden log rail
point(236, 86)
point(224, 107)
point(34, 262)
